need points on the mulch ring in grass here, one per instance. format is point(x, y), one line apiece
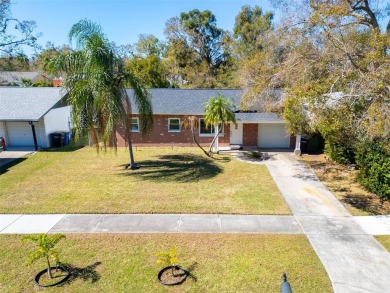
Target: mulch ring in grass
point(58, 276)
point(341, 181)
point(172, 276)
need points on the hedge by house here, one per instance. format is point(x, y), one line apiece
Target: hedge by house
point(373, 159)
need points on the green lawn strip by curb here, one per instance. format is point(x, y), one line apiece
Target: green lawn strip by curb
point(127, 263)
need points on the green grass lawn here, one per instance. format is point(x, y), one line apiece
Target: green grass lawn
point(170, 180)
point(384, 240)
point(127, 263)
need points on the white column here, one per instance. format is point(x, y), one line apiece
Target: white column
point(297, 150)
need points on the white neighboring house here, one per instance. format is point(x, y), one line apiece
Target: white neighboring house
point(25, 111)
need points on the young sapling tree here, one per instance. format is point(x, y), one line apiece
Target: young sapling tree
point(44, 248)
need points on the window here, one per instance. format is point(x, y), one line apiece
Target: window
point(134, 125)
point(209, 130)
point(174, 124)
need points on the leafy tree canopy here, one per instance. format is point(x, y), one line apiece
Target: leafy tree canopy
point(250, 25)
point(150, 70)
point(19, 62)
point(15, 33)
point(148, 45)
point(198, 52)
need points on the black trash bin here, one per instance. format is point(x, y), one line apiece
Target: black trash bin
point(57, 139)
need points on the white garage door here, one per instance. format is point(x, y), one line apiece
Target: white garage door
point(273, 136)
point(19, 134)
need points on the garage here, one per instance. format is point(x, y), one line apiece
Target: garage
point(20, 134)
point(43, 108)
point(273, 135)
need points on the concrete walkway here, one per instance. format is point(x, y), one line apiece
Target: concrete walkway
point(354, 260)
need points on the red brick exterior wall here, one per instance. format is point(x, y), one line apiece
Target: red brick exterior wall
point(161, 136)
point(250, 134)
point(292, 141)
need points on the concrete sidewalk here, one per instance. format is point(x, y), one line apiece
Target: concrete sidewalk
point(354, 260)
point(147, 223)
point(168, 223)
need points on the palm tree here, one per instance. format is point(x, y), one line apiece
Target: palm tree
point(218, 111)
point(192, 123)
point(95, 80)
point(45, 248)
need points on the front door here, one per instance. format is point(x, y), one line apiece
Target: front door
point(236, 134)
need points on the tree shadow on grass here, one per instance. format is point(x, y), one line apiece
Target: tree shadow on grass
point(177, 168)
point(87, 274)
point(190, 269)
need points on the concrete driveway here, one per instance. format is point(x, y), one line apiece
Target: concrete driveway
point(354, 260)
point(13, 153)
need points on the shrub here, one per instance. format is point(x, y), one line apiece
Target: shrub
point(373, 159)
point(340, 153)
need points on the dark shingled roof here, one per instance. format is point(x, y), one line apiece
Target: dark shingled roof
point(256, 117)
point(185, 101)
point(191, 101)
point(30, 104)
point(27, 104)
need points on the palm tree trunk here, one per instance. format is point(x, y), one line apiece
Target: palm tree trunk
point(215, 139)
point(48, 268)
point(133, 165)
point(127, 118)
point(197, 143)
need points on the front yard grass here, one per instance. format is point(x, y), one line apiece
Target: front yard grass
point(127, 263)
point(170, 180)
point(384, 240)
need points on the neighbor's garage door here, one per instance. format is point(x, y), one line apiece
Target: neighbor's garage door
point(273, 136)
point(19, 134)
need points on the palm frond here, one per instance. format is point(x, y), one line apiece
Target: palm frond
point(44, 246)
point(95, 83)
point(34, 256)
point(81, 31)
point(143, 101)
point(219, 110)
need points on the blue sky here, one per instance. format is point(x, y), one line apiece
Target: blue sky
point(122, 20)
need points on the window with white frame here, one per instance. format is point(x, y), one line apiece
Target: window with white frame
point(174, 125)
point(134, 124)
point(209, 130)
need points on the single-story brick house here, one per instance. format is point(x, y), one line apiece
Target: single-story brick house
point(172, 106)
point(28, 116)
point(44, 109)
